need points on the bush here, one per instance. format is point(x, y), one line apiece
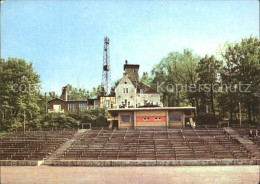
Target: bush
point(11, 124)
point(54, 120)
point(34, 124)
point(97, 117)
point(206, 119)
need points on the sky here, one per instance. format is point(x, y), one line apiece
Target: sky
point(64, 39)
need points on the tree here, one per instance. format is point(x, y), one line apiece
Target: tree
point(190, 62)
point(242, 66)
point(77, 93)
point(145, 79)
point(208, 70)
point(97, 92)
point(19, 92)
point(172, 74)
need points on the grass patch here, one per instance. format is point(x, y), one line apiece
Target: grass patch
point(3, 133)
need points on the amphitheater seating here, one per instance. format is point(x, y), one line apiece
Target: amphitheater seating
point(125, 144)
point(243, 132)
point(33, 145)
point(156, 144)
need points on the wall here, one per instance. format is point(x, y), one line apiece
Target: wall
point(121, 96)
point(152, 97)
point(133, 73)
point(64, 105)
point(157, 118)
point(125, 124)
point(149, 163)
point(112, 101)
point(152, 114)
point(177, 123)
point(77, 104)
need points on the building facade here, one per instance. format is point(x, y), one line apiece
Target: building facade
point(138, 105)
point(130, 93)
point(58, 105)
point(62, 105)
point(107, 102)
point(151, 117)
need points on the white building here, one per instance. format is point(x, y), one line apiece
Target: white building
point(130, 93)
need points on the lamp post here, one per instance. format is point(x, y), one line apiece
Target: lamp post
point(240, 117)
point(45, 103)
point(24, 121)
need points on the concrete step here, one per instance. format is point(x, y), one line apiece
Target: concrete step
point(247, 143)
point(64, 147)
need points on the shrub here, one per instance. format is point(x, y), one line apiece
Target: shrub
point(54, 120)
point(97, 117)
point(11, 124)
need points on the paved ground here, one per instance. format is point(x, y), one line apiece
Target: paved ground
point(123, 175)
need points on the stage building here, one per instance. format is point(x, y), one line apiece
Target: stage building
point(151, 117)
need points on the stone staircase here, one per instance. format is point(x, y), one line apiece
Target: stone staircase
point(64, 147)
point(247, 143)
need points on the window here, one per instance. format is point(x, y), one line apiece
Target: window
point(96, 103)
point(125, 90)
point(127, 118)
point(57, 107)
point(107, 103)
point(142, 91)
point(175, 117)
point(82, 106)
point(146, 119)
point(72, 107)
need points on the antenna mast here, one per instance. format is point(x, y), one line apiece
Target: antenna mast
point(106, 67)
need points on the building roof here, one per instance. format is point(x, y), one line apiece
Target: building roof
point(67, 100)
point(152, 108)
point(140, 85)
point(112, 95)
point(130, 66)
point(56, 99)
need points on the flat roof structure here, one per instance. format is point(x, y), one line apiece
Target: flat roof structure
point(151, 117)
point(151, 108)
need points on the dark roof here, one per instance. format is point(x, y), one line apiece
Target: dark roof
point(130, 66)
point(152, 108)
point(112, 95)
point(77, 100)
point(67, 100)
point(140, 85)
point(56, 99)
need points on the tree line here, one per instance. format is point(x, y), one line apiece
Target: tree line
point(23, 104)
point(222, 84)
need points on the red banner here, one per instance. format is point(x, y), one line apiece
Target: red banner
point(150, 118)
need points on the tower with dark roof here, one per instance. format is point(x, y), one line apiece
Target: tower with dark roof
point(131, 71)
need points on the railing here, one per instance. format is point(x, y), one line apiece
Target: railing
point(55, 111)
